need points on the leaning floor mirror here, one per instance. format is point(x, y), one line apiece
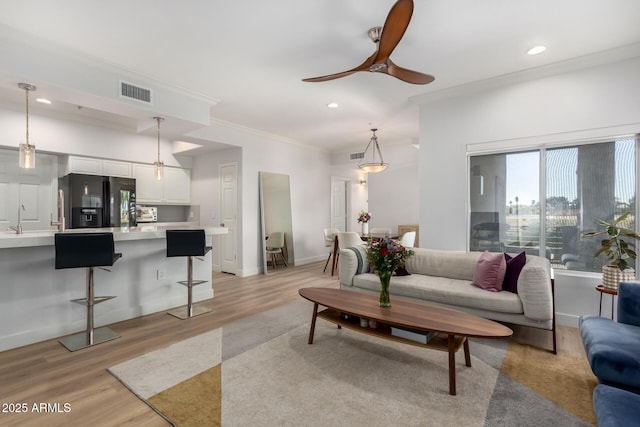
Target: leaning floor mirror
point(275, 217)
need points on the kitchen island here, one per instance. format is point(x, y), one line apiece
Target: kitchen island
point(34, 302)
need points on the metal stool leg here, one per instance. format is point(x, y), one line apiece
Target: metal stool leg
point(189, 311)
point(90, 336)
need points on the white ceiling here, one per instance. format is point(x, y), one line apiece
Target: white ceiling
point(252, 54)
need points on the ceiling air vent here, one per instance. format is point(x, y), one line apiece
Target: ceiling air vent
point(140, 94)
point(356, 156)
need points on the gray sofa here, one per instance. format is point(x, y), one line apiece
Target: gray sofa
point(445, 278)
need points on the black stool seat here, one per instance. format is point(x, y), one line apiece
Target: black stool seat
point(188, 243)
point(77, 250)
point(86, 250)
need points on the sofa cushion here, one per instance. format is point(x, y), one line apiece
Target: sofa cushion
point(514, 267)
point(612, 350)
point(461, 293)
point(451, 264)
point(615, 407)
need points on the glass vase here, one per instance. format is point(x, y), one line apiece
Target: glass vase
point(385, 278)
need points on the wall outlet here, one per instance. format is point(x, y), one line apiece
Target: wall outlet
point(161, 274)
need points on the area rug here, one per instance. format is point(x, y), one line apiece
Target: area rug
point(260, 371)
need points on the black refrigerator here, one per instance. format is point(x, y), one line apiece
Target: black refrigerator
point(93, 201)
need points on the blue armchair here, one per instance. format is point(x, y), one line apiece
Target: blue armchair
point(613, 348)
point(613, 351)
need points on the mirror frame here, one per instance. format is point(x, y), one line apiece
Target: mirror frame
point(264, 184)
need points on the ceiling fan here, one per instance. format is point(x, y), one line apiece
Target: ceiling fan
point(386, 39)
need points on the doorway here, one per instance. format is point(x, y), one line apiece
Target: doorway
point(229, 217)
point(340, 201)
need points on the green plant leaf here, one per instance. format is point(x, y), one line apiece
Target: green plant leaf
point(622, 218)
point(592, 234)
point(622, 264)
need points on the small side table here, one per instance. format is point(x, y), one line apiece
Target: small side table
point(612, 292)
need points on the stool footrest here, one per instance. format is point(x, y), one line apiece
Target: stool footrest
point(183, 312)
point(193, 282)
point(85, 339)
point(96, 300)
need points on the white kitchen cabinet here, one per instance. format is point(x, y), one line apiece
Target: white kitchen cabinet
point(93, 166)
point(84, 165)
point(173, 189)
point(116, 168)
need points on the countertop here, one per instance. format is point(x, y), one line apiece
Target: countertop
point(9, 239)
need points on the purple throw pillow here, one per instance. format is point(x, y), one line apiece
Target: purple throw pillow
point(401, 271)
point(514, 267)
point(490, 271)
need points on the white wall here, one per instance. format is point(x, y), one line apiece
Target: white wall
point(588, 103)
point(310, 180)
point(394, 193)
point(59, 135)
point(392, 196)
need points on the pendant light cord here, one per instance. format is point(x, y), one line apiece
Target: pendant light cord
point(159, 119)
point(26, 91)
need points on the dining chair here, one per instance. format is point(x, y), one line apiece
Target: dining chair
point(380, 231)
point(274, 245)
point(348, 239)
point(329, 242)
point(408, 239)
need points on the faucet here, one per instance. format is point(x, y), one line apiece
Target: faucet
point(17, 228)
point(61, 219)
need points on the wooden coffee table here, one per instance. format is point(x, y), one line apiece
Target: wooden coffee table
point(452, 327)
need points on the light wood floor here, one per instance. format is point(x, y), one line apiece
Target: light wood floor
point(47, 373)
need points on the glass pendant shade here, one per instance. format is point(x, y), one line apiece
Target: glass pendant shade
point(369, 162)
point(27, 158)
point(159, 170)
point(158, 163)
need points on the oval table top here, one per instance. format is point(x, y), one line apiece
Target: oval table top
point(407, 312)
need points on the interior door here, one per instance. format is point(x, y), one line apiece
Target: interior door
point(228, 217)
point(339, 204)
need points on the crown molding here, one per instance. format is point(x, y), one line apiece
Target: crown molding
point(610, 56)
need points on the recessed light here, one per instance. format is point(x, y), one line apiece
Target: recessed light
point(333, 105)
point(43, 100)
point(536, 50)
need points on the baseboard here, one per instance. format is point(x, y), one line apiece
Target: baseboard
point(303, 261)
point(55, 330)
point(567, 319)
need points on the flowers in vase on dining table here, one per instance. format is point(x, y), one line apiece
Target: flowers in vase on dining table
point(386, 256)
point(364, 217)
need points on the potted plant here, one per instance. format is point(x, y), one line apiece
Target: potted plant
point(617, 250)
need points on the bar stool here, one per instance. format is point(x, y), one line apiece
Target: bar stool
point(189, 243)
point(87, 250)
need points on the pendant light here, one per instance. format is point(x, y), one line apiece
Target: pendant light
point(159, 164)
point(368, 163)
point(27, 151)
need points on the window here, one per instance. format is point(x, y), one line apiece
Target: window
point(581, 184)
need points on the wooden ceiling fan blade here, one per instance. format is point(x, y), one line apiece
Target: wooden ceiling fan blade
point(394, 28)
point(407, 75)
point(362, 67)
point(330, 76)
